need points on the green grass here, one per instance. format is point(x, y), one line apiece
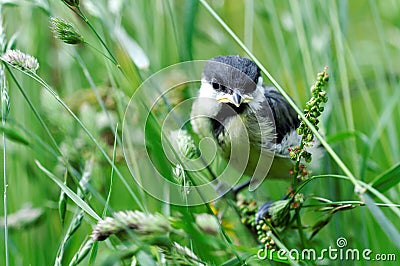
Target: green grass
point(66, 122)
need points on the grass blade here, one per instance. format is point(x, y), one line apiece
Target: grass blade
point(387, 226)
point(89, 134)
point(13, 135)
point(73, 196)
point(133, 49)
point(112, 173)
point(388, 179)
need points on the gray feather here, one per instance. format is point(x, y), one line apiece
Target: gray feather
point(286, 118)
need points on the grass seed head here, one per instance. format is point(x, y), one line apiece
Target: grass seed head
point(207, 223)
point(65, 31)
point(21, 60)
point(140, 222)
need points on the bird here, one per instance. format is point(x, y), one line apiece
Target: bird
point(245, 118)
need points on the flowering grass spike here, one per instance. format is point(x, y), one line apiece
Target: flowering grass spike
point(141, 223)
point(21, 60)
point(312, 111)
point(186, 145)
point(65, 31)
point(314, 107)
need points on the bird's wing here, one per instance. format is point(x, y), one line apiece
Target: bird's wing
point(286, 118)
point(286, 123)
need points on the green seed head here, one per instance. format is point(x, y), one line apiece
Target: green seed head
point(65, 31)
point(300, 131)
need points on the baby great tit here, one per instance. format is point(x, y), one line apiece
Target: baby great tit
point(235, 108)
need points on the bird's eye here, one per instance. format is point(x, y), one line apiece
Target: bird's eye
point(215, 85)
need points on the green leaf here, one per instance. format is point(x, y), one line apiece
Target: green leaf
point(232, 262)
point(341, 136)
point(73, 196)
point(319, 225)
point(62, 202)
point(135, 52)
point(388, 179)
point(191, 10)
point(145, 259)
point(93, 253)
point(106, 205)
point(13, 135)
point(386, 225)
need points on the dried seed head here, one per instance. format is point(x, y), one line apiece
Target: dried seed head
point(179, 173)
point(207, 223)
point(141, 223)
point(186, 145)
point(65, 31)
point(180, 178)
point(183, 142)
point(23, 218)
point(21, 60)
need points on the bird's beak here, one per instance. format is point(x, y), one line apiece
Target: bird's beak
point(237, 99)
point(234, 98)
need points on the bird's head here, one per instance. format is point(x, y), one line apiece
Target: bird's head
point(230, 80)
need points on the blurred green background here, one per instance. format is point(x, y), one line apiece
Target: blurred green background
point(294, 40)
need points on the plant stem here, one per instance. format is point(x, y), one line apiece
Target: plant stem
point(5, 196)
point(393, 207)
point(77, 10)
point(92, 138)
point(112, 173)
point(36, 113)
point(85, 19)
point(85, 129)
point(4, 105)
point(103, 54)
point(300, 227)
point(46, 129)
